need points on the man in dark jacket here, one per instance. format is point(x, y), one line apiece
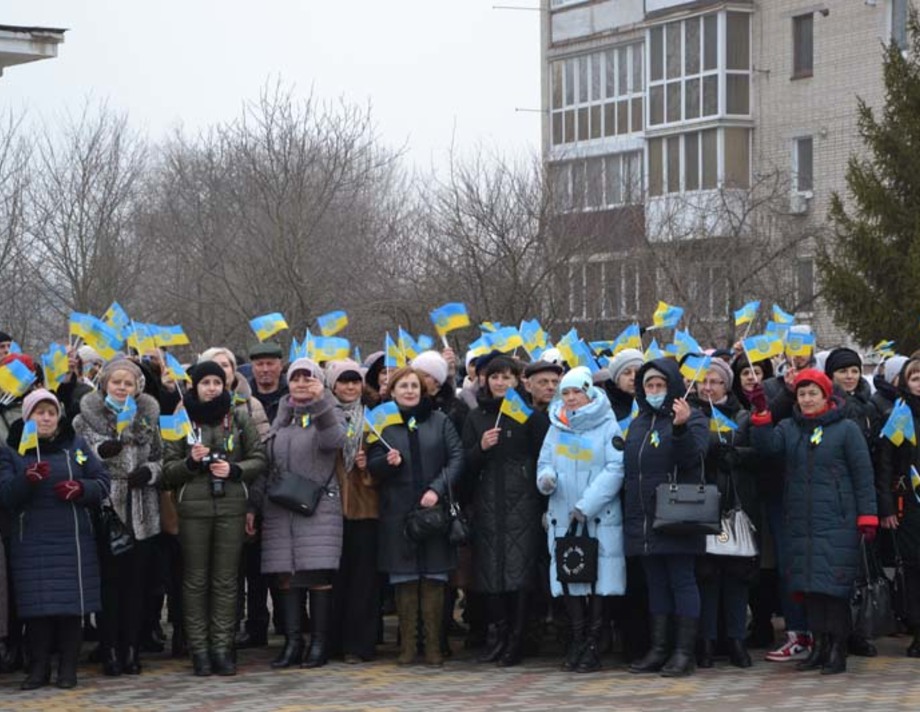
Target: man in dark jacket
point(267, 382)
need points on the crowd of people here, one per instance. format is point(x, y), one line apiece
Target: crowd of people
point(106, 521)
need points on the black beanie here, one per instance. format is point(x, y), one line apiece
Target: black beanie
point(4, 337)
point(207, 368)
point(841, 358)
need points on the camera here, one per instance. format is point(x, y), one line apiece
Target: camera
point(217, 483)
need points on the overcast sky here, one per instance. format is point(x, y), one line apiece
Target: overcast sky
point(433, 69)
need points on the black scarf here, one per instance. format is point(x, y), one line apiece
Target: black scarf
point(211, 412)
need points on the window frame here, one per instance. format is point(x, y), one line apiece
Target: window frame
point(798, 71)
point(796, 173)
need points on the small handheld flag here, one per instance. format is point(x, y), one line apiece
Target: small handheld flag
point(383, 416)
point(126, 416)
point(514, 407)
point(653, 351)
point(900, 425)
point(762, 347)
point(747, 313)
point(393, 357)
point(329, 348)
point(175, 427)
point(721, 423)
point(170, 336)
point(266, 326)
point(666, 316)
point(15, 378)
point(781, 316)
point(332, 323)
point(800, 344)
point(29, 437)
point(174, 369)
point(629, 338)
point(450, 317)
point(694, 368)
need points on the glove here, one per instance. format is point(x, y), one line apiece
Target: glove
point(546, 484)
point(236, 472)
point(868, 532)
point(110, 448)
point(38, 471)
point(139, 476)
point(68, 490)
point(578, 515)
point(758, 398)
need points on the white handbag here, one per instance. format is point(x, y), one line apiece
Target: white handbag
point(737, 535)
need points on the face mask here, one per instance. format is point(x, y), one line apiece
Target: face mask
point(657, 400)
point(114, 405)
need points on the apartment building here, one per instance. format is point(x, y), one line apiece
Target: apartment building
point(19, 45)
point(672, 123)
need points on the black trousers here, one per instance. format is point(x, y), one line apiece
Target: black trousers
point(255, 595)
point(828, 614)
point(357, 590)
point(125, 583)
point(912, 584)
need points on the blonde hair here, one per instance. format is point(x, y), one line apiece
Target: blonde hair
point(215, 351)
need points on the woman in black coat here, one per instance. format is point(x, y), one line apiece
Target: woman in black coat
point(667, 436)
point(424, 464)
point(893, 485)
point(50, 490)
point(829, 502)
point(501, 456)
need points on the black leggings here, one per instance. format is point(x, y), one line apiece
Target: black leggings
point(125, 581)
point(828, 614)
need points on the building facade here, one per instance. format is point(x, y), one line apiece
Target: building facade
point(677, 132)
point(19, 45)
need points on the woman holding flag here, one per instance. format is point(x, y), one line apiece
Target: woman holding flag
point(119, 423)
point(898, 481)
point(49, 479)
point(417, 461)
point(502, 440)
point(581, 471)
point(210, 469)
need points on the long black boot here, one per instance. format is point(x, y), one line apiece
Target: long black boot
point(818, 655)
point(836, 657)
point(575, 607)
point(683, 660)
point(70, 640)
point(291, 604)
point(657, 654)
point(39, 635)
point(320, 617)
point(111, 662)
point(516, 604)
point(499, 616)
point(590, 660)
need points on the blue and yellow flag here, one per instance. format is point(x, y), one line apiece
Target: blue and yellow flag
point(140, 337)
point(747, 313)
point(684, 344)
point(332, 323)
point(576, 352)
point(574, 447)
point(126, 416)
point(175, 427)
point(407, 344)
point(117, 318)
point(884, 348)
point(328, 348)
point(490, 326)
point(653, 351)
point(629, 338)
point(450, 317)
point(514, 407)
point(666, 316)
point(383, 416)
point(29, 439)
point(169, 335)
point(915, 482)
point(694, 368)
point(762, 347)
point(55, 365)
point(393, 357)
point(800, 344)
point(423, 343)
point(627, 421)
point(721, 423)
point(777, 330)
point(266, 326)
point(505, 339)
point(480, 346)
point(95, 332)
point(900, 425)
point(15, 378)
point(534, 337)
point(781, 316)
point(174, 369)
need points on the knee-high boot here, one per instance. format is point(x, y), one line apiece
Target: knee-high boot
point(291, 604)
point(683, 660)
point(499, 616)
point(516, 605)
point(432, 603)
point(575, 608)
point(70, 639)
point(657, 654)
point(590, 660)
point(39, 635)
point(407, 599)
point(320, 618)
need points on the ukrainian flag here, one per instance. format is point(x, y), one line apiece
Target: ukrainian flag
point(266, 326)
point(29, 439)
point(329, 348)
point(598, 347)
point(175, 427)
point(117, 318)
point(80, 324)
point(800, 344)
point(170, 336)
point(653, 351)
point(393, 357)
point(407, 344)
point(174, 369)
point(781, 316)
point(721, 423)
point(574, 447)
point(915, 482)
point(332, 323)
point(383, 416)
point(884, 348)
point(777, 330)
point(515, 408)
point(450, 317)
point(900, 425)
point(629, 338)
point(694, 368)
point(140, 337)
point(533, 336)
point(684, 343)
point(762, 347)
point(126, 416)
point(55, 365)
point(15, 378)
point(104, 338)
point(490, 326)
point(422, 343)
point(666, 316)
point(747, 313)
point(506, 339)
point(627, 421)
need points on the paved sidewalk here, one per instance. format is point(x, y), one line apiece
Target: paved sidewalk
point(890, 681)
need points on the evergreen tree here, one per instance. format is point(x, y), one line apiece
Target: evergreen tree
point(871, 272)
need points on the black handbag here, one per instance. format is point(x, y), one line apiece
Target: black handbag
point(687, 509)
point(424, 523)
point(118, 536)
point(296, 493)
point(458, 531)
point(576, 556)
point(873, 612)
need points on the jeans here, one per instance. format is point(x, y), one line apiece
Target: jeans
point(734, 595)
point(672, 586)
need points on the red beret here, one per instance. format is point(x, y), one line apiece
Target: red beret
point(813, 375)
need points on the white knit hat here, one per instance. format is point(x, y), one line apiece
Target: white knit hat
point(432, 363)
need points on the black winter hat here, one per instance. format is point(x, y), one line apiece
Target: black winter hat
point(841, 358)
point(4, 337)
point(207, 368)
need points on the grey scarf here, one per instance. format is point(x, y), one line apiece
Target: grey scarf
point(354, 434)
